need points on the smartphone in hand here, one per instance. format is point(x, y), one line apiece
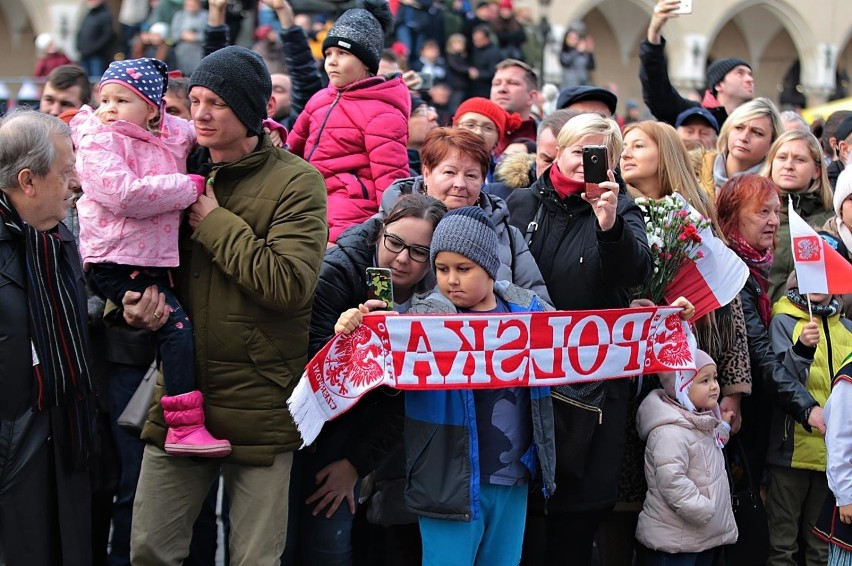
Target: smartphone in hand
point(595, 165)
point(380, 285)
point(684, 8)
point(425, 81)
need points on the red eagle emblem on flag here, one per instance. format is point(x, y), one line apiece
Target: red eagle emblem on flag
point(807, 248)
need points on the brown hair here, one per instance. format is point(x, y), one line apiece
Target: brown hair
point(529, 73)
point(64, 77)
point(674, 168)
point(829, 130)
point(441, 142)
point(416, 205)
point(555, 120)
point(821, 185)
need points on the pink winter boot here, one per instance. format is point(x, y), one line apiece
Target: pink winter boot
point(187, 434)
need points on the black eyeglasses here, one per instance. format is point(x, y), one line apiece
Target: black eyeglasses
point(395, 244)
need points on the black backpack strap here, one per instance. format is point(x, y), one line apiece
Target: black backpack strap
point(535, 223)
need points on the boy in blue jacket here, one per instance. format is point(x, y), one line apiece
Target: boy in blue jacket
point(471, 454)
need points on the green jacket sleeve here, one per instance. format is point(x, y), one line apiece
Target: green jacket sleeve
point(280, 269)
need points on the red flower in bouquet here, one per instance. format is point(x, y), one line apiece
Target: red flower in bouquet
point(674, 236)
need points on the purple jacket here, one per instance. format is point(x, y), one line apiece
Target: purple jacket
point(357, 138)
point(134, 189)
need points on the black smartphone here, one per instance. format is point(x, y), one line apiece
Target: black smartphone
point(595, 165)
point(425, 81)
point(380, 285)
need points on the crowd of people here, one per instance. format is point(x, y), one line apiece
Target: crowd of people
point(208, 212)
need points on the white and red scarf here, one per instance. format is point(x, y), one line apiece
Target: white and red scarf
point(488, 351)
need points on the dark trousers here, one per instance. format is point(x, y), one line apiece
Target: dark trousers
point(616, 538)
point(174, 339)
point(561, 538)
point(124, 379)
point(94, 65)
point(319, 540)
point(659, 558)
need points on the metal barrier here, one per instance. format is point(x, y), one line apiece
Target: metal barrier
point(16, 91)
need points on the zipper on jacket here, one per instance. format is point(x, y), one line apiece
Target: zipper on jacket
point(363, 186)
point(829, 355)
point(322, 126)
point(578, 404)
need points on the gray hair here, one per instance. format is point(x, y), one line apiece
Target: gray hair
point(555, 120)
point(27, 142)
point(790, 116)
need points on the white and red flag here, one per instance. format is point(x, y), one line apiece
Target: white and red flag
point(819, 267)
point(713, 278)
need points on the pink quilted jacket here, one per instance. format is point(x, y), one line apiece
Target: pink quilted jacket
point(134, 189)
point(357, 138)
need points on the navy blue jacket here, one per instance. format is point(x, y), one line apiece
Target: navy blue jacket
point(442, 455)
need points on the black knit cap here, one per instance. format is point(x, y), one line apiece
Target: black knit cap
point(717, 70)
point(361, 32)
point(239, 76)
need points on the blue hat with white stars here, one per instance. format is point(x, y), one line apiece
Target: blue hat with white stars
point(146, 77)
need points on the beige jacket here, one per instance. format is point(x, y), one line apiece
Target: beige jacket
point(688, 505)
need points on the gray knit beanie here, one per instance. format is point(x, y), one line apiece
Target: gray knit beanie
point(717, 70)
point(239, 76)
point(361, 32)
point(469, 232)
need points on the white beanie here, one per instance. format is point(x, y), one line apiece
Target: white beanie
point(678, 383)
point(843, 190)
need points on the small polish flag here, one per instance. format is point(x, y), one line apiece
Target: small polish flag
point(713, 279)
point(819, 268)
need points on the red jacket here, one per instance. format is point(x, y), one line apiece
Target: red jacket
point(357, 139)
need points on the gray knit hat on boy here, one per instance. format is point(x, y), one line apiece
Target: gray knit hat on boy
point(239, 76)
point(469, 232)
point(361, 32)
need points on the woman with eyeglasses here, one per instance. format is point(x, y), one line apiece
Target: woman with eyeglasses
point(350, 447)
point(455, 162)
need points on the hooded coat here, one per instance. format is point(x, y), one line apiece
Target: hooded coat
point(134, 189)
point(357, 138)
point(688, 505)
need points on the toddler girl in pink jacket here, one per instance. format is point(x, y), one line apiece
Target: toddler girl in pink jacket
point(131, 159)
point(355, 131)
point(687, 510)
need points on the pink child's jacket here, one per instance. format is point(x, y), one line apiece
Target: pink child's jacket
point(357, 138)
point(134, 189)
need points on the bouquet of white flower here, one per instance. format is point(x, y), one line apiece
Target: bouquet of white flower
point(673, 229)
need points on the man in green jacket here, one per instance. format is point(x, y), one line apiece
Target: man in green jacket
point(249, 262)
